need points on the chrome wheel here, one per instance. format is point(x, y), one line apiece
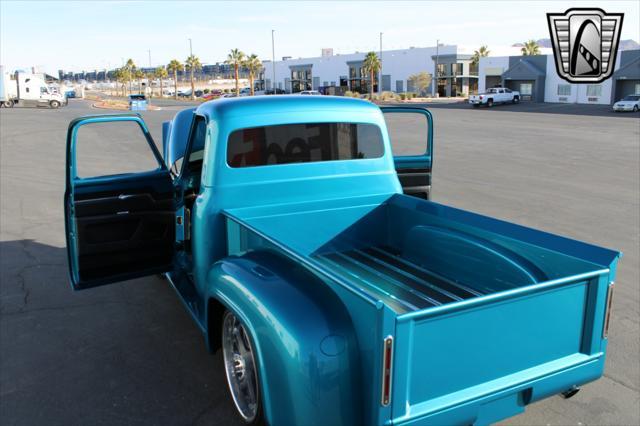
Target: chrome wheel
point(240, 367)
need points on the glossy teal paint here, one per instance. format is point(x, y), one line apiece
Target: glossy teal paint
point(269, 243)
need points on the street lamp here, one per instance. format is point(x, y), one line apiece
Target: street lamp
point(273, 62)
point(380, 82)
point(435, 72)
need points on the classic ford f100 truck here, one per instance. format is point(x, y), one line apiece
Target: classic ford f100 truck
point(339, 293)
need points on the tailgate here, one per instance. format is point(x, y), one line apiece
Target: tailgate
point(472, 351)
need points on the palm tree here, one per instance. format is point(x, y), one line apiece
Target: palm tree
point(530, 48)
point(117, 76)
point(235, 58)
point(161, 73)
point(130, 68)
point(371, 65)
point(482, 52)
point(193, 63)
point(139, 75)
point(174, 66)
point(253, 65)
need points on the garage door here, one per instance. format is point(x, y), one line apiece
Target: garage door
point(626, 87)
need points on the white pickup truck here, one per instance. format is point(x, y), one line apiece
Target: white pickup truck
point(495, 95)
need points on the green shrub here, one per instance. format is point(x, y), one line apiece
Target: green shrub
point(403, 96)
point(205, 91)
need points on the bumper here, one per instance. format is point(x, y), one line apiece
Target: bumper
point(622, 108)
point(511, 400)
point(475, 102)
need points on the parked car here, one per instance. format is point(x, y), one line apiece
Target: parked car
point(628, 103)
point(310, 92)
point(184, 93)
point(245, 91)
point(276, 92)
point(495, 95)
point(199, 93)
point(335, 295)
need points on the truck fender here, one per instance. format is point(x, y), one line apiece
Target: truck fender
point(302, 333)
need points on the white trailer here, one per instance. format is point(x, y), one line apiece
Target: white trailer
point(26, 89)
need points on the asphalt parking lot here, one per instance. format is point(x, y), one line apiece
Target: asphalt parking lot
point(128, 353)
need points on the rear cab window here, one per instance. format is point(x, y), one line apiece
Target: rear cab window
point(303, 143)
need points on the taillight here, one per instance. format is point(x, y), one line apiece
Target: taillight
point(480, 97)
point(387, 364)
point(607, 313)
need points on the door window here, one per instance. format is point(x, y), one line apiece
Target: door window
point(112, 148)
point(408, 133)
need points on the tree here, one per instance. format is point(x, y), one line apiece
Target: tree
point(253, 65)
point(420, 81)
point(482, 52)
point(371, 65)
point(130, 68)
point(117, 76)
point(530, 48)
point(139, 75)
point(173, 67)
point(161, 73)
point(235, 58)
point(193, 64)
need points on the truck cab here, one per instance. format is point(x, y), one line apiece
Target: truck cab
point(299, 234)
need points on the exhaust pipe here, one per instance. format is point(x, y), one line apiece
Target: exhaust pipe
point(570, 392)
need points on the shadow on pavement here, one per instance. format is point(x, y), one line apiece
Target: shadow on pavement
point(126, 353)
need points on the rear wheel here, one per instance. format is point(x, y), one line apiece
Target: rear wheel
point(54, 104)
point(241, 369)
point(8, 104)
point(635, 108)
point(516, 99)
point(489, 103)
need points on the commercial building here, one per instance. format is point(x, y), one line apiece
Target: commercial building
point(456, 75)
point(537, 80)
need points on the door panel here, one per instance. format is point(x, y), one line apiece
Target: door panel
point(119, 226)
point(411, 135)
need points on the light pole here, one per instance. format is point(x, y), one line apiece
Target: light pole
point(435, 72)
point(273, 62)
point(191, 58)
point(380, 82)
point(149, 51)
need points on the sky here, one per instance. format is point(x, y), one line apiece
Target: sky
point(90, 35)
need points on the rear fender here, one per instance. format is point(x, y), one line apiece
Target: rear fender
point(303, 337)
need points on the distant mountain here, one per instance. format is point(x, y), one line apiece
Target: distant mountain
point(628, 44)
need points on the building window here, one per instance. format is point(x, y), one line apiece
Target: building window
point(473, 69)
point(526, 89)
point(456, 69)
point(594, 90)
point(637, 89)
point(301, 80)
point(442, 69)
point(564, 90)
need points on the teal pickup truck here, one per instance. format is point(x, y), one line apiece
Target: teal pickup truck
point(339, 293)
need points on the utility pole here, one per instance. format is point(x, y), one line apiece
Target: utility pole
point(435, 71)
point(380, 82)
point(193, 95)
point(273, 62)
point(149, 57)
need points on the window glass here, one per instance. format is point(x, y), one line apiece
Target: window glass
point(564, 89)
point(638, 88)
point(594, 90)
point(303, 143)
point(111, 148)
point(198, 140)
point(408, 133)
point(526, 88)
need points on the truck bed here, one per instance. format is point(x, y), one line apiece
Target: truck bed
point(414, 254)
point(486, 316)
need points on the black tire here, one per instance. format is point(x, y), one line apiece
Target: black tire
point(635, 108)
point(237, 352)
point(54, 104)
point(516, 99)
point(8, 104)
point(489, 103)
